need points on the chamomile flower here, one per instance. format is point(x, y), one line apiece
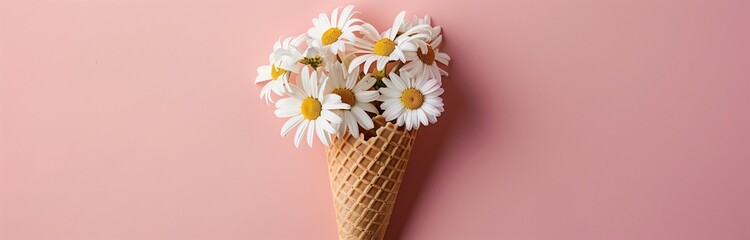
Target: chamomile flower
point(357, 95)
point(287, 53)
point(411, 101)
point(424, 61)
point(310, 109)
point(316, 58)
point(283, 62)
point(387, 46)
point(332, 34)
point(416, 21)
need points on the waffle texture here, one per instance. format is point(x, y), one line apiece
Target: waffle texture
point(365, 174)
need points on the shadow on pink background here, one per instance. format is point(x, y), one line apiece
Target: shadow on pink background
point(564, 120)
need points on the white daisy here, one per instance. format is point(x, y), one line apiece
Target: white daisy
point(287, 53)
point(332, 34)
point(283, 61)
point(413, 23)
point(387, 46)
point(424, 62)
point(411, 101)
point(310, 109)
point(356, 94)
point(316, 58)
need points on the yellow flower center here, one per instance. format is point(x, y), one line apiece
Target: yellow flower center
point(347, 96)
point(314, 62)
point(384, 47)
point(412, 98)
point(331, 36)
point(311, 108)
point(276, 72)
point(378, 74)
point(427, 58)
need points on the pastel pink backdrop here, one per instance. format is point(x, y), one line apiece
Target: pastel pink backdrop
point(564, 120)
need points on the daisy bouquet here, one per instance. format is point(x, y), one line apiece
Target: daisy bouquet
point(363, 94)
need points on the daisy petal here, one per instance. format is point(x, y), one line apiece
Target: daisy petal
point(430, 110)
point(306, 81)
point(357, 61)
point(367, 96)
point(367, 107)
point(300, 132)
point(430, 86)
point(340, 128)
point(433, 119)
point(336, 106)
point(422, 117)
point(291, 123)
point(345, 14)
point(310, 133)
point(389, 102)
point(331, 99)
point(325, 125)
point(287, 112)
point(362, 118)
point(368, 63)
point(288, 102)
point(351, 123)
point(406, 116)
point(398, 83)
point(393, 112)
point(330, 116)
point(414, 119)
point(396, 24)
point(334, 17)
point(263, 74)
point(313, 84)
point(366, 83)
point(435, 93)
point(319, 132)
point(389, 93)
point(381, 64)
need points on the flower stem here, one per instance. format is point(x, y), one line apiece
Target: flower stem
point(398, 67)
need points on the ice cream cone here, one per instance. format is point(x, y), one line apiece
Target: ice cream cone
point(365, 174)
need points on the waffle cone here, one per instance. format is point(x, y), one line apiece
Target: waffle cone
point(365, 174)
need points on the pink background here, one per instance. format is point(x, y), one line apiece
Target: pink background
point(575, 119)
